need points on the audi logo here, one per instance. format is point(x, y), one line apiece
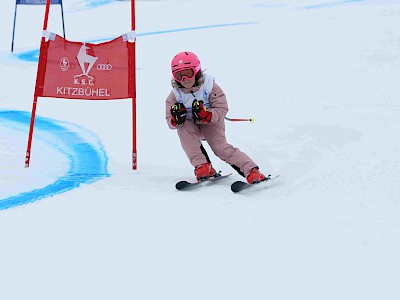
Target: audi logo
point(104, 67)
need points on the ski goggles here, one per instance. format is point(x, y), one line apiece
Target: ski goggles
point(185, 73)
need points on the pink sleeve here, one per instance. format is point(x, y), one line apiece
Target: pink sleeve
point(219, 105)
point(171, 100)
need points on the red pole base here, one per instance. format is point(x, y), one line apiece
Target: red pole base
point(134, 160)
point(27, 159)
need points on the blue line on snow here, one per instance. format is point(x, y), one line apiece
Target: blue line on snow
point(90, 4)
point(97, 3)
point(33, 55)
point(330, 4)
point(88, 163)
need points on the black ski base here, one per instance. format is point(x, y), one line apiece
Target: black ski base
point(186, 185)
point(239, 186)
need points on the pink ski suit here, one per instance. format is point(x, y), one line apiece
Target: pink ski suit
point(192, 132)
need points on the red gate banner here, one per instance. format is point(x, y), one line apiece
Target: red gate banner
point(85, 71)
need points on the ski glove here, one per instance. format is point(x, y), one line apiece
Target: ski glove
point(200, 113)
point(178, 112)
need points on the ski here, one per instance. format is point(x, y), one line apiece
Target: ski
point(186, 185)
point(239, 186)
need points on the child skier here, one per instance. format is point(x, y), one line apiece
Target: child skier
point(196, 107)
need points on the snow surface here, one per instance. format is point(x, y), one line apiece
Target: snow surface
point(321, 78)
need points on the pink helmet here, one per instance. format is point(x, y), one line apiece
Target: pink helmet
point(185, 60)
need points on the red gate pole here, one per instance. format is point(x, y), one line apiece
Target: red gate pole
point(134, 150)
point(28, 149)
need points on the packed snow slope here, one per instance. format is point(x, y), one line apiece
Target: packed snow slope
point(320, 78)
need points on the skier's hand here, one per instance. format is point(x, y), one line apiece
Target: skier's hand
point(200, 113)
point(178, 112)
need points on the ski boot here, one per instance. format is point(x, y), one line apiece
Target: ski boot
point(204, 171)
point(255, 176)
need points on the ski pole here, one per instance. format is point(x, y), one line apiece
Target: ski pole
point(239, 120)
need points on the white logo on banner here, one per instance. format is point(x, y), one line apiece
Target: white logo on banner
point(64, 64)
point(86, 62)
point(104, 67)
point(84, 58)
